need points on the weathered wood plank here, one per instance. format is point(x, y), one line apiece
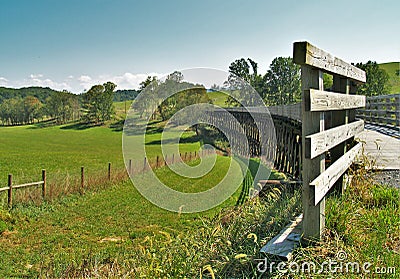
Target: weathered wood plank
point(327, 179)
point(318, 143)
point(318, 100)
point(305, 53)
point(28, 184)
point(4, 189)
point(313, 215)
point(286, 241)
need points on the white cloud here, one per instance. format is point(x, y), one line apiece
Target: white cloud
point(3, 81)
point(127, 80)
point(41, 81)
point(36, 76)
point(79, 83)
point(85, 78)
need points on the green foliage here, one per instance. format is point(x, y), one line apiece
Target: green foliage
point(279, 86)
point(283, 82)
point(39, 92)
point(20, 111)
point(98, 103)
point(25, 105)
point(243, 71)
point(125, 95)
point(3, 226)
point(62, 107)
point(163, 99)
point(377, 80)
point(328, 81)
point(393, 70)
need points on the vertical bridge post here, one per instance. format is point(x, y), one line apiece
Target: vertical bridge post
point(316, 140)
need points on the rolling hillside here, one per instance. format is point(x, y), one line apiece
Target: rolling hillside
point(394, 79)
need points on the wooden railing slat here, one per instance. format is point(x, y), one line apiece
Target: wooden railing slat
point(305, 53)
point(318, 100)
point(327, 179)
point(28, 184)
point(4, 189)
point(321, 142)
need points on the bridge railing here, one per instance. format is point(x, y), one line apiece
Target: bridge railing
point(317, 139)
point(382, 110)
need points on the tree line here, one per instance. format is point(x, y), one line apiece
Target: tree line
point(281, 84)
point(163, 98)
point(92, 107)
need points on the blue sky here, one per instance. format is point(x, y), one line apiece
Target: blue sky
point(75, 44)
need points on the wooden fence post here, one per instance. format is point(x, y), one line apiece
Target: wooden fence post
point(157, 160)
point(109, 171)
point(44, 183)
point(144, 164)
point(313, 215)
point(10, 190)
point(173, 158)
point(82, 177)
point(130, 167)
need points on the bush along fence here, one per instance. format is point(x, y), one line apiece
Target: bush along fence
point(84, 181)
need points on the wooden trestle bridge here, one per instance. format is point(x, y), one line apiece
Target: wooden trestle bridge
point(313, 141)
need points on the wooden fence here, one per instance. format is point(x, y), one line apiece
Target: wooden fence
point(10, 187)
point(317, 139)
point(132, 169)
point(382, 111)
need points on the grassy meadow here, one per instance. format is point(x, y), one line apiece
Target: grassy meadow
point(62, 150)
point(112, 231)
point(394, 80)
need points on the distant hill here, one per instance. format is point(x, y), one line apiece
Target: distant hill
point(42, 93)
point(39, 92)
point(394, 79)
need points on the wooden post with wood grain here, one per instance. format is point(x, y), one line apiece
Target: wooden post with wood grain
point(10, 190)
point(44, 184)
point(82, 178)
point(109, 171)
point(316, 139)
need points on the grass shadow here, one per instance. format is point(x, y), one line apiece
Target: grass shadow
point(80, 126)
point(191, 139)
point(43, 124)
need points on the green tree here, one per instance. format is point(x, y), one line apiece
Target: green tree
point(243, 71)
point(282, 82)
point(98, 103)
point(62, 107)
point(32, 108)
point(147, 82)
point(377, 80)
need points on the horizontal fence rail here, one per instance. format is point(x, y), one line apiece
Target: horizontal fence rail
point(382, 111)
point(83, 181)
point(10, 187)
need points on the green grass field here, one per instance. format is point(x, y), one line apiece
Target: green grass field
point(112, 231)
point(64, 149)
point(97, 226)
point(394, 79)
point(218, 98)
